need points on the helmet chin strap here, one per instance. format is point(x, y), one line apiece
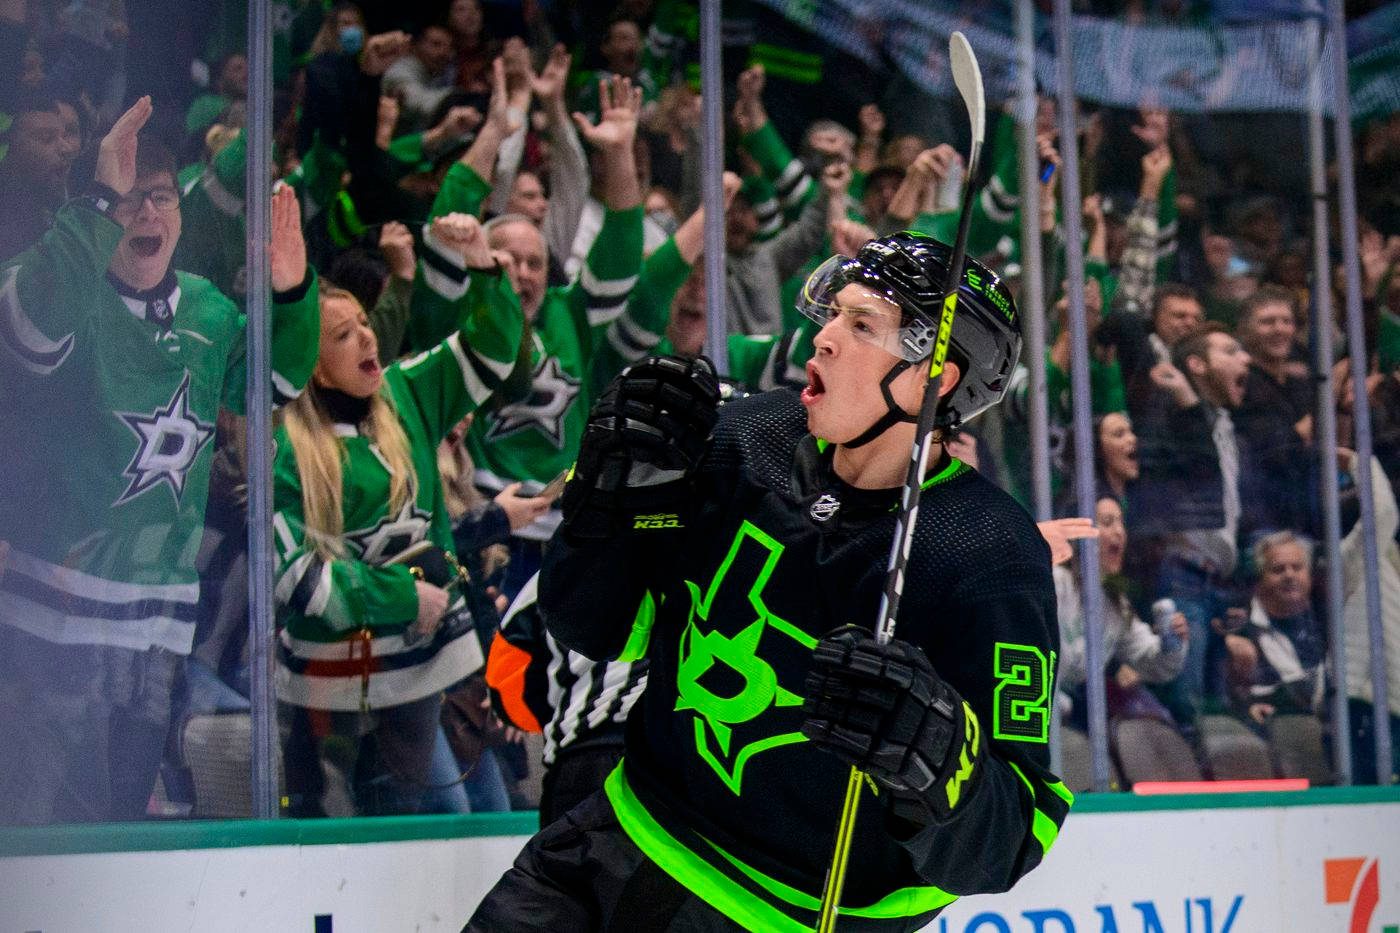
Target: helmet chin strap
point(893, 415)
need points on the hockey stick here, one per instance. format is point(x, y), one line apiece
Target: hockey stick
point(968, 78)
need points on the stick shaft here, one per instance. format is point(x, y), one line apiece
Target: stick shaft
point(836, 874)
point(903, 537)
point(928, 411)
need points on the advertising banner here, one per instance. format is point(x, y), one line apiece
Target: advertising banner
point(1301, 869)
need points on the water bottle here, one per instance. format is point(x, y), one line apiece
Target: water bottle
point(1162, 612)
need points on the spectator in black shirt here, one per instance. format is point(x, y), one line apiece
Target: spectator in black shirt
point(1276, 416)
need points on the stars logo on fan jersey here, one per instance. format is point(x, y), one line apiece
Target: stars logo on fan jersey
point(391, 534)
point(552, 394)
point(170, 441)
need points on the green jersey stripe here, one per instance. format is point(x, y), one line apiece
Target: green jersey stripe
point(26, 344)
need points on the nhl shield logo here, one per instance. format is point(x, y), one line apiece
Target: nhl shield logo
point(826, 506)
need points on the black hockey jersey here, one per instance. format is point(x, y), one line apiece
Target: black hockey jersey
point(718, 785)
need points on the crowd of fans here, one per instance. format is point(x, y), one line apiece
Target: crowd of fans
point(496, 207)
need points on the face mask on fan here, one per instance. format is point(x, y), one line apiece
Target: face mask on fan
point(352, 39)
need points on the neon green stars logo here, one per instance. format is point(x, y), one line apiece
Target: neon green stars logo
point(722, 679)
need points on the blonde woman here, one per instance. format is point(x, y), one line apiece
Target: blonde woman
point(366, 644)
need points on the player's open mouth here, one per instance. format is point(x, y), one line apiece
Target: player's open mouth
point(370, 367)
point(145, 246)
point(815, 388)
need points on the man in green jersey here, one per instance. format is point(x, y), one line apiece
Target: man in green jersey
point(115, 367)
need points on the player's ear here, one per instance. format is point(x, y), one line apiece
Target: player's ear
point(952, 372)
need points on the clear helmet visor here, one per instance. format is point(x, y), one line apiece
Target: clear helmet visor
point(840, 290)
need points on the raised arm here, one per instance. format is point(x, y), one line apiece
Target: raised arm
point(455, 126)
point(929, 167)
point(481, 156)
point(642, 326)
point(599, 295)
point(614, 134)
point(568, 167)
point(799, 240)
point(296, 312)
point(460, 373)
point(757, 134)
point(1137, 277)
point(625, 506)
point(389, 316)
point(519, 88)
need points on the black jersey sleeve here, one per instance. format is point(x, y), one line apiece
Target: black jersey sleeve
point(592, 596)
point(1002, 662)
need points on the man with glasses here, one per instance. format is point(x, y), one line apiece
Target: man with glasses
point(114, 369)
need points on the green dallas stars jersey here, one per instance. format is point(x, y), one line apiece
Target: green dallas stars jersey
point(108, 424)
point(718, 785)
point(345, 619)
point(536, 437)
point(215, 230)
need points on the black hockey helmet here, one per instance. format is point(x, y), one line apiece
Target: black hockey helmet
point(909, 269)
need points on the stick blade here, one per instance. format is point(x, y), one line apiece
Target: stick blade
point(968, 77)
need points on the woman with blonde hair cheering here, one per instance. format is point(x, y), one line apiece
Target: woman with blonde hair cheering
point(373, 625)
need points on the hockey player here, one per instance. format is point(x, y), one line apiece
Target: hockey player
point(115, 367)
point(368, 644)
point(737, 563)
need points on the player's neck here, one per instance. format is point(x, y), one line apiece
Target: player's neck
point(881, 464)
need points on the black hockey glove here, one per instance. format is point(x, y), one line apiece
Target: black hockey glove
point(645, 434)
point(885, 710)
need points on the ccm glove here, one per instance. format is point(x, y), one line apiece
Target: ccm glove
point(885, 710)
point(645, 434)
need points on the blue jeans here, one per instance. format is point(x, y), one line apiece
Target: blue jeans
point(486, 786)
point(446, 793)
point(1200, 597)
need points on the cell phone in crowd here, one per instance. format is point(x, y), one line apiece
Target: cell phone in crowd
point(554, 488)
